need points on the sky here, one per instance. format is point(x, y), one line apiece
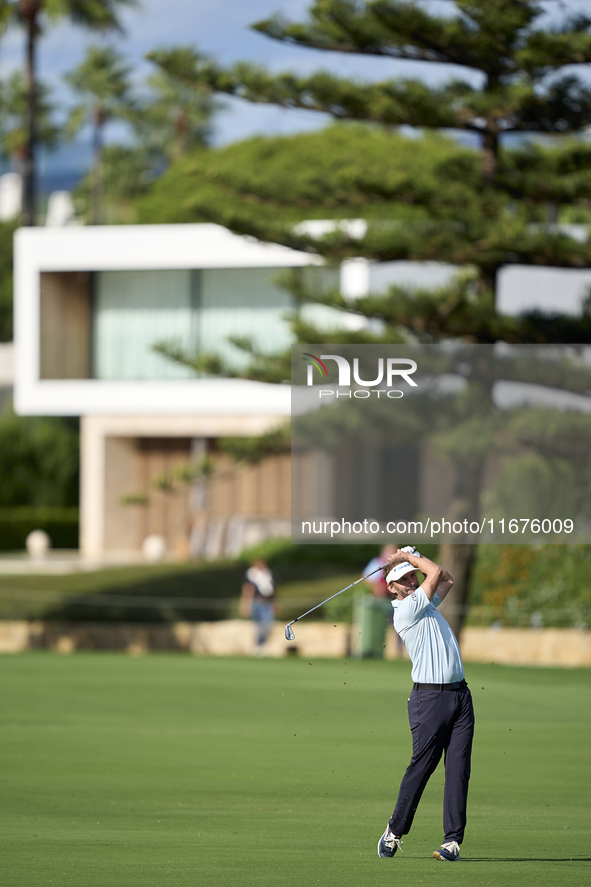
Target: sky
point(219, 28)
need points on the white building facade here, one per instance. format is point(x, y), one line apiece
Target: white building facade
point(90, 305)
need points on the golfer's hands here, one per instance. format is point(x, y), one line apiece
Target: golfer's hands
point(408, 554)
point(410, 549)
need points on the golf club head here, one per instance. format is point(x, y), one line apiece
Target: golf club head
point(290, 636)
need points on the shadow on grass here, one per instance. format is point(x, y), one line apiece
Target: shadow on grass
point(204, 593)
point(526, 859)
point(160, 594)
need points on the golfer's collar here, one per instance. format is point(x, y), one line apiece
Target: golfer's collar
point(396, 601)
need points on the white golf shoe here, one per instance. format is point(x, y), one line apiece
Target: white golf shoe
point(449, 852)
point(389, 844)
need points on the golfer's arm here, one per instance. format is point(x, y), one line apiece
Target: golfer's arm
point(436, 581)
point(445, 585)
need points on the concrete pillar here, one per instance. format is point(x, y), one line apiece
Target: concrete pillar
point(92, 486)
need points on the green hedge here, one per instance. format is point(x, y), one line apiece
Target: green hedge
point(281, 552)
point(61, 524)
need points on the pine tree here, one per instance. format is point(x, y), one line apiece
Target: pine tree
point(500, 211)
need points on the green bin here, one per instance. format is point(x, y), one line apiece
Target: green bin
point(371, 617)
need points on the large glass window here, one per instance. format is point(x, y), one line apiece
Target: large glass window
point(106, 324)
point(195, 310)
point(134, 310)
point(242, 302)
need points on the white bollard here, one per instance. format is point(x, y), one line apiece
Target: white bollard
point(154, 548)
point(38, 544)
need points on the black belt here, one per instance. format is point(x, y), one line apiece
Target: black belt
point(457, 685)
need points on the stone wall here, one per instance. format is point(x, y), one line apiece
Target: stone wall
point(235, 637)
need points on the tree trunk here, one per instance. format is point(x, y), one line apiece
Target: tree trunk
point(96, 216)
point(459, 561)
point(487, 279)
point(28, 167)
point(490, 156)
point(180, 145)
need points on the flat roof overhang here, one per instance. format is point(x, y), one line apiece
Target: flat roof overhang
point(135, 247)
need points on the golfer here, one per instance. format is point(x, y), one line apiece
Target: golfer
point(440, 704)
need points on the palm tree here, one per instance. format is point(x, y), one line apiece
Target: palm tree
point(33, 16)
point(103, 80)
point(167, 117)
point(175, 118)
point(14, 119)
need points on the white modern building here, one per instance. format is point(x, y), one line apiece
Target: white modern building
point(90, 305)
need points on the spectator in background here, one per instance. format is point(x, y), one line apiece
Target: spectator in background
point(257, 601)
point(377, 583)
point(379, 589)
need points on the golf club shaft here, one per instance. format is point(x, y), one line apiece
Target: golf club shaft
point(337, 594)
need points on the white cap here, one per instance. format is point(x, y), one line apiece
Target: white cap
point(399, 570)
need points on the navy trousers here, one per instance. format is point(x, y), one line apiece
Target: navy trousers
point(441, 722)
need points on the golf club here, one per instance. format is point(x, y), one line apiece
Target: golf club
point(290, 636)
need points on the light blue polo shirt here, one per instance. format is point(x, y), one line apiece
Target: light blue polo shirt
point(431, 644)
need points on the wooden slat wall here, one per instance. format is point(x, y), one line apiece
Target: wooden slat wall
point(262, 490)
point(133, 465)
point(65, 325)
point(167, 512)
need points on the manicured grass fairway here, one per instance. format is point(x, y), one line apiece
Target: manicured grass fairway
point(173, 770)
